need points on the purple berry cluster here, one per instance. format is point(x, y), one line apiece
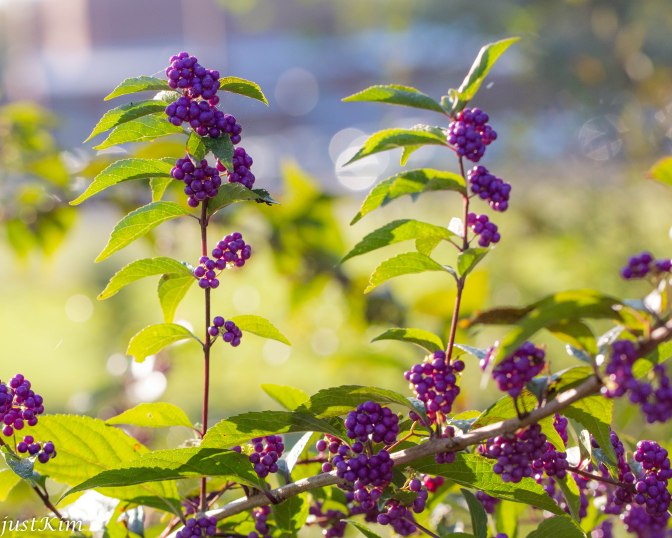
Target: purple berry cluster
point(185, 73)
point(485, 229)
point(399, 517)
point(619, 376)
point(516, 370)
point(470, 133)
point(267, 451)
point(620, 497)
point(241, 172)
point(201, 181)
point(435, 383)
point(372, 420)
point(651, 488)
point(489, 187)
point(552, 463)
point(449, 456)
point(432, 483)
point(331, 521)
point(44, 452)
point(643, 525)
point(516, 452)
point(361, 470)
point(560, 424)
point(19, 405)
point(641, 265)
point(206, 273)
point(198, 527)
point(230, 332)
point(260, 516)
point(232, 251)
point(603, 530)
point(489, 503)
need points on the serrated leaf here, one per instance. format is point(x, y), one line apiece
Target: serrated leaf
point(244, 87)
point(595, 414)
point(661, 171)
point(469, 259)
point(479, 519)
point(336, 401)
point(87, 446)
point(230, 193)
point(420, 337)
point(557, 526)
point(222, 148)
point(152, 415)
point(290, 515)
point(138, 223)
point(474, 471)
point(138, 84)
point(174, 464)
point(362, 528)
point(487, 56)
point(125, 170)
point(172, 289)
point(410, 182)
point(126, 113)
point(395, 94)
point(397, 138)
point(196, 147)
point(402, 264)
point(142, 129)
point(154, 338)
point(240, 428)
point(288, 397)
point(158, 185)
point(396, 231)
point(259, 326)
point(141, 269)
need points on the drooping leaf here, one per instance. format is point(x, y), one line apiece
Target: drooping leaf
point(172, 289)
point(196, 147)
point(469, 259)
point(158, 185)
point(152, 415)
point(420, 337)
point(362, 528)
point(244, 87)
point(124, 170)
point(662, 171)
point(396, 231)
point(288, 397)
point(395, 94)
point(259, 326)
point(402, 264)
point(595, 414)
point(397, 138)
point(410, 182)
point(142, 129)
point(336, 401)
point(174, 464)
point(230, 193)
point(479, 519)
point(154, 338)
point(222, 148)
point(139, 222)
point(138, 84)
point(125, 113)
point(570, 492)
point(561, 525)
point(141, 269)
point(290, 515)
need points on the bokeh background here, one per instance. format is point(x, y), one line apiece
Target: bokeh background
point(582, 105)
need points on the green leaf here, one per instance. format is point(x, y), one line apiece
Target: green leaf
point(140, 269)
point(410, 182)
point(395, 94)
point(595, 413)
point(572, 495)
point(484, 62)
point(362, 528)
point(662, 171)
point(507, 516)
point(139, 222)
point(337, 401)
point(172, 289)
point(152, 415)
point(244, 87)
point(230, 193)
point(469, 259)
point(21, 467)
point(174, 464)
point(397, 138)
point(479, 519)
point(577, 334)
point(222, 148)
point(288, 397)
point(558, 526)
point(402, 264)
point(290, 515)
point(141, 129)
point(474, 471)
point(126, 113)
point(406, 154)
point(154, 338)
point(138, 84)
point(8, 480)
point(240, 428)
point(259, 326)
point(196, 147)
point(158, 185)
point(420, 337)
point(87, 446)
point(124, 170)
point(396, 231)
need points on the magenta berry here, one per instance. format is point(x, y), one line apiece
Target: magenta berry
point(514, 371)
point(432, 483)
point(232, 251)
point(241, 172)
point(516, 452)
point(470, 133)
point(485, 230)
point(201, 181)
point(206, 273)
point(643, 264)
point(229, 331)
point(267, 451)
point(490, 188)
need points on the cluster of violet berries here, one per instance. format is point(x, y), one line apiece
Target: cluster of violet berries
point(230, 332)
point(641, 265)
point(515, 453)
point(470, 133)
point(201, 181)
point(197, 527)
point(489, 187)
point(371, 419)
point(485, 229)
point(232, 251)
point(651, 487)
point(516, 370)
point(260, 516)
point(43, 452)
point(267, 451)
point(241, 172)
point(331, 521)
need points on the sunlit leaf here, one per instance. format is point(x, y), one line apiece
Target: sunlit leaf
point(126, 113)
point(662, 171)
point(402, 264)
point(397, 138)
point(288, 397)
point(479, 518)
point(336, 401)
point(244, 87)
point(154, 338)
point(140, 269)
point(558, 526)
point(138, 84)
point(171, 290)
point(259, 326)
point(141, 129)
point(420, 337)
point(152, 415)
point(595, 414)
point(469, 259)
point(395, 94)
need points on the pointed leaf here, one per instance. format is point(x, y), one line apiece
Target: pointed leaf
point(154, 338)
point(138, 84)
point(410, 182)
point(595, 414)
point(479, 519)
point(140, 269)
point(397, 138)
point(244, 87)
point(420, 337)
point(222, 148)
point(558, 526)
point(196, 147)
point(402, 264)
point(230, 193)
point(142, 129)
point(336, 401)
point(158, 185)
point(396, 231)
point(259, 326)
point(406, 154)
point(293, 452)
point(395, 94)
point(469, 259)
point(172, 289)
point(288, 397)
point(139, 222)
point(572, 495)
point(290, 515)
point(362, 528)
point(125, 113)
point(124, 170)
point(152, 415)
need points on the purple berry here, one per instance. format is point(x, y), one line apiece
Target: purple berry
point(485, 230)
point(469, 134)
point(516, 370)
point(490, 188)
point(241, 172)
